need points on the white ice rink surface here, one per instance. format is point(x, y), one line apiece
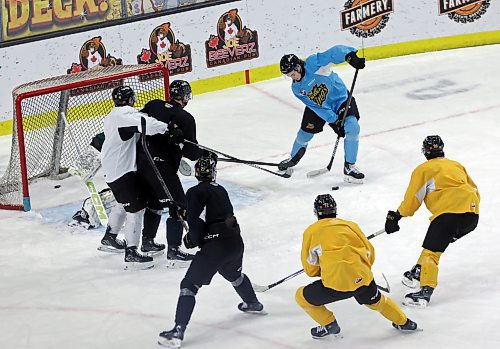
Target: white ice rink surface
point(58, 291)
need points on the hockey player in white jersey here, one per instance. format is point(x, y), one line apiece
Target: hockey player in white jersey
point(122, 130)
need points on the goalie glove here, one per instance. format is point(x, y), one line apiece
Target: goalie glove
point(86, 165)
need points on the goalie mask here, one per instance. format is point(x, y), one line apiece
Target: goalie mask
point(123, 95)
point(205, 169)
point(432, 147)
point(325, 206)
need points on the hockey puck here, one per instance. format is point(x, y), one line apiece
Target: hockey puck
point(335, 187)
point(57, 186)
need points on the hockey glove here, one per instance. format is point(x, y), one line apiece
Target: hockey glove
point(187, 242)
point(354, 60)
point(176, 210)
point(175, 134)
point(391, 222)
point(210, 155)
point(338, 128)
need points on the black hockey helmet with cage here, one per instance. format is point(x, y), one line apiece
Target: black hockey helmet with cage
point(205, 169)
point(290, 62)
point(123, 95)
point(325, 206)
point(432, 147)
point(180, 89)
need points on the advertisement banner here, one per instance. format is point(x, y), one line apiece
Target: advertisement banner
point(27, 18)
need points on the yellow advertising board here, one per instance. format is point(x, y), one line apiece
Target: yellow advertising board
point(27, 18)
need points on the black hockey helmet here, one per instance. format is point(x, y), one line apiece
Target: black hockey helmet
point(123, 95)
point(205, 169)
point(432, 147)
point(290, 62)
point(180, 90)
point(325, 206)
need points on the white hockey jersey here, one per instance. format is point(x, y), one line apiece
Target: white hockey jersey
point(122, 129)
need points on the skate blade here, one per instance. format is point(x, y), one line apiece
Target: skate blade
point(138, 266)
point(109, 249)
point(173, 343)
point(349, 179)
point(255, 312)
point(153, 253)
point(411, 283)
point(329, 337)
point(418, 329)
point(177, 264)
point(420, 304)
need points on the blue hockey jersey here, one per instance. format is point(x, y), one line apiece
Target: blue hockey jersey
point(321, 89)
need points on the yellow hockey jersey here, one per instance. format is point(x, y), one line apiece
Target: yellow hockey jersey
point(444, 186)
point(338, 251)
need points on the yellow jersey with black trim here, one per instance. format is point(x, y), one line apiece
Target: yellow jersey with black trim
point(444, 186)
point(339, 252)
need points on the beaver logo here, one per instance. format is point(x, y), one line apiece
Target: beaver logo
point(463, 11)
point(233, 42)
point(92, 55)
point(366, 18)
point(318, 94)
point(164, 48)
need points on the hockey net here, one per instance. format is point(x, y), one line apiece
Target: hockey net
point(41, 143)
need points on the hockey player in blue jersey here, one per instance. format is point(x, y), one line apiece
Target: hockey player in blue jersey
point(325, 96)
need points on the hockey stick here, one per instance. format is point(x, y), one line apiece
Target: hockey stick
point(260, 288)
point(157, 172)
point(249, 162)
point(328, 167)
point(287, 174)
point(89, 184)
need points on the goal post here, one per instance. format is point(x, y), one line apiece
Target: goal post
point(40, 144)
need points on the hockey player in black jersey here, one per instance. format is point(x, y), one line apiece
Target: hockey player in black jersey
point(221, 250)
point(167, 151)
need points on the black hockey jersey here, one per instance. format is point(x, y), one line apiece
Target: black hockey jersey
point(218, 221)
point(159, 146)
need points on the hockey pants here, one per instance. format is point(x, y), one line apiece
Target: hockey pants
point(312, 299)
point(223, 256)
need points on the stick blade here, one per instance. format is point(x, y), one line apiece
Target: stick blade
point(260, 288)
point(316, 173)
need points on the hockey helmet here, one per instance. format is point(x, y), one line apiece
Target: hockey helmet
point(180, 90)
point(289, 63)
point(325, 206)
point(205, 169)
point(123, 95)
point(432, 147)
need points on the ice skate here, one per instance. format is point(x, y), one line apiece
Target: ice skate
point(252, 308)
point(136, 261)
point(150, 248)
point(109, 243)
point(352, 174)
point(332, 330)
point(411, 278)
point(176, 258)
point(408, 326)
point(419, 299)
point(173, 338)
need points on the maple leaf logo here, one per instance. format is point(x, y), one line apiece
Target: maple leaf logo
point(76, 68)
point(213, 42)
point(145, 55)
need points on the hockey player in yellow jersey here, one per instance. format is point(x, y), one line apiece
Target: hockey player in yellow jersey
point(453, 199)
point(337, 251)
